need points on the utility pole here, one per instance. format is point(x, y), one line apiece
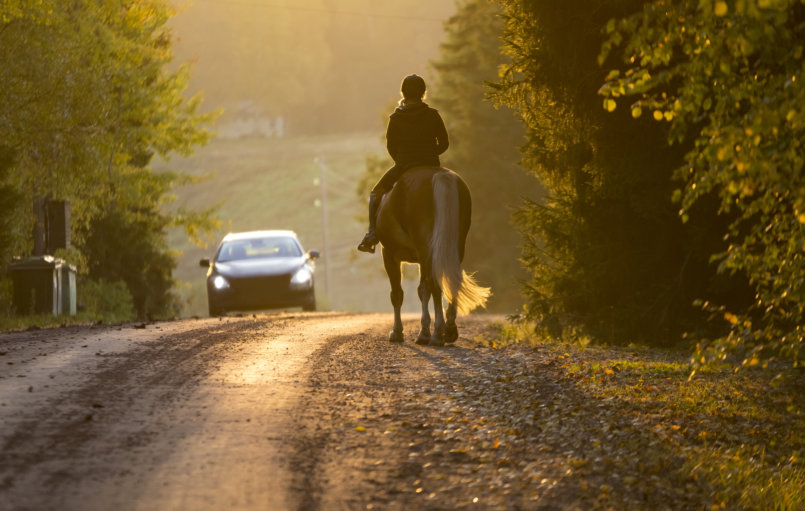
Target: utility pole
point(325, 224)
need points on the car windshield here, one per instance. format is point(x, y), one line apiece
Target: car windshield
point(258, 248)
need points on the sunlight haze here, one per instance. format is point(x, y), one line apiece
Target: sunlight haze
point(323, 65)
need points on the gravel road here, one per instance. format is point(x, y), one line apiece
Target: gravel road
point(278, 411)
point(317, 411)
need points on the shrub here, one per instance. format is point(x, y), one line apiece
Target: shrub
point(110, 302)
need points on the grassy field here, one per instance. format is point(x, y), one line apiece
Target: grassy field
point(276, 184)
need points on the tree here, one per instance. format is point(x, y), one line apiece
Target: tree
point(87, 101)
point(727, 74)
point(9, 204)
point(483, 146)
point(9, 221)
point(607, 253)
point(136, 254)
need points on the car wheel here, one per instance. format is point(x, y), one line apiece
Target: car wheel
point(310, 304)
point(214, 311)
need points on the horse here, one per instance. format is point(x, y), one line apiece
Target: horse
point(424, 220)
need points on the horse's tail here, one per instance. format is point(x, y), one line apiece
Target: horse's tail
point(456, 284)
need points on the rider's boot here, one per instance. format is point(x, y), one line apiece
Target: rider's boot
point(370, 240)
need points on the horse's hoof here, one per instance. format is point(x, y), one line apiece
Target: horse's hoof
point(438, 336)
point(422, 339)
point(395, 336)
point(451, 333)
point(437, 341)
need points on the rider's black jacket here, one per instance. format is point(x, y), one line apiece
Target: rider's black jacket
point(416, 135)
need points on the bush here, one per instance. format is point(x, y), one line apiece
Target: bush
point(6, 297)
point(110, 302)
point(9, 205)
point(129, 245)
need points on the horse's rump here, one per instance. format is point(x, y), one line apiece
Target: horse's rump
point(425, 219)
point(405, 217)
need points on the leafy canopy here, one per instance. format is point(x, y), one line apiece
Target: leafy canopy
point(728, 74)
point(87, 100)
point(608, 256)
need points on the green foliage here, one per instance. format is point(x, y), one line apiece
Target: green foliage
point(129, 245)
point(6, 297)
point(98, 301)
point(483, 146)
point(87, 101)
point(10, 200)
point(109, 302)
point(728, 74)
point(608, 255)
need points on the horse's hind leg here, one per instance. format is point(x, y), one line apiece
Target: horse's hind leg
point(424, 296)
point(451, 330)
point(395, 279)
point(438, 337)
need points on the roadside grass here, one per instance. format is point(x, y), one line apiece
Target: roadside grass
point(735, 431)
point(100, 302)
point(18, 323)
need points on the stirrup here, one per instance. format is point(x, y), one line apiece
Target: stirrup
point(368, 244)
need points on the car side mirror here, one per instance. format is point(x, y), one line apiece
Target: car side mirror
point(204, 263)
point(313, 254)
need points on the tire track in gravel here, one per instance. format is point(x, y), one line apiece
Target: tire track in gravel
point(169, 421)
point(57, 432)
point(285, 412)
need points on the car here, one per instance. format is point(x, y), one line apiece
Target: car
point(258, 270)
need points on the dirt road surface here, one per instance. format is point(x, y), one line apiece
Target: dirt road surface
point(267, 412)
point(310, 411)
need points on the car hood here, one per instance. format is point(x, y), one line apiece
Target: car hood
point(259, 267)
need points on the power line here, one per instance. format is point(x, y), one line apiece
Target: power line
point(321, 10)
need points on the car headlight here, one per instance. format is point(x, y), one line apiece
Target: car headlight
point(220, 283)
point(302, 279)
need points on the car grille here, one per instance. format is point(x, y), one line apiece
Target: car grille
point(275, 286)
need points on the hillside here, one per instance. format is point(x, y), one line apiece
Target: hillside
point(275, 184)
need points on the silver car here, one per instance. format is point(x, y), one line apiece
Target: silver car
point(260, 270)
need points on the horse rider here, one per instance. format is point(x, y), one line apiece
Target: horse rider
point(415, 137)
